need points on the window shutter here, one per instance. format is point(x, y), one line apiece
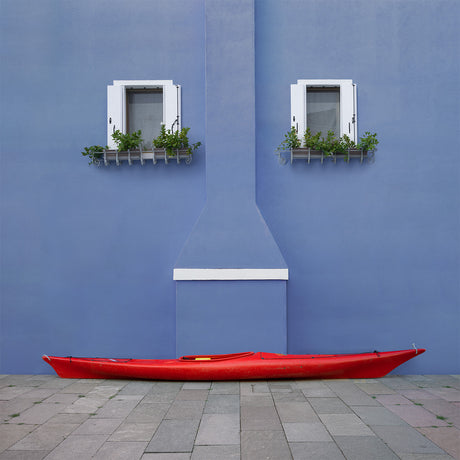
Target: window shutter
point(115, 109)
point(347, 109)
point(298, 108)
point(171, 107)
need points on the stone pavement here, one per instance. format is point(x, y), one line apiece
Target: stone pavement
point(396, 417)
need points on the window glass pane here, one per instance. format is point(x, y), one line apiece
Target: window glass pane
point(323, 110)
point(145, 112)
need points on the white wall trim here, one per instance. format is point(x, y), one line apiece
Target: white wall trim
point(208, 274)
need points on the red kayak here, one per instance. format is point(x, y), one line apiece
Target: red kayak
point(238, 366)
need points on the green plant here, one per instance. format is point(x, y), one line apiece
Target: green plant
point(368, 141)
point(94, 153)
point(291, 141)
point(310, 141)
point(172, 141)
point(127, 141)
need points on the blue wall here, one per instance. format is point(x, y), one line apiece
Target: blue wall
point(87, 253)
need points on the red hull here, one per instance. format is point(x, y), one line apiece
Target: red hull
point(239, 366)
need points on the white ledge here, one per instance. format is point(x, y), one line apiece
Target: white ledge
point(209, 274)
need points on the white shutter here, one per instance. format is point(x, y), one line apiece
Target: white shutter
point(171, 106)
point(299, 108)
point(347, 109)
point(115, 112)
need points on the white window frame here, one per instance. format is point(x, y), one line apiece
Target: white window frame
point(116, 104)
point(348, 107)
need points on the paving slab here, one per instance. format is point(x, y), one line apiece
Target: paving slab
point(296, 412)
point(24, 455)
point(136, 388)
point(364, 448)
point(174, 436)
point(406, 440)
point(166, 456)
point(216, 452)
point(293, 396)
point(225, 388)
point(185, 410)
point(148, 413)
point(445, 409)
point(121, 451)
point(259, 418)
point(329, 406)
point(448, 438)
point(417, 416)
point(192, 395)
point(98, 426)
point(219, 429)
point(39, 413)
point(315, 451)
point(134, 432)
point(449, 394)
point(345, 425)
point(120, 407)
point(375, 388)
point(196, 386)
point(263, 445)
point(377, 415)
point(10, 434)
point(305, 431)
point(393, 400)
point(77, 447)
point(222, 404)
point(45, 437)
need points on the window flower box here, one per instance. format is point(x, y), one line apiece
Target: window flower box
point(310, 154)
point(146, 155)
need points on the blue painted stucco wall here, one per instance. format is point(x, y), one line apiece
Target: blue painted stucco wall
point(87, 253)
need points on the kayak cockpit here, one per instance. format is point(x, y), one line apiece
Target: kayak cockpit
point(201, 358)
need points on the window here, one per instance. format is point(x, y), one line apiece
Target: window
point(144, 105)
point(324, 105)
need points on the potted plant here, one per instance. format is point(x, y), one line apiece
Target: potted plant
point(174, 144)
point(316, 146)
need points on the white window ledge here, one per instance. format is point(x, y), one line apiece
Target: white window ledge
point(228, 274)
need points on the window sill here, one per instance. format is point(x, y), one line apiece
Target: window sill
point(309, 155)
point(144, 155)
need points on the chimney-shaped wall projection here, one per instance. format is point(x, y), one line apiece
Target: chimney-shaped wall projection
point(230, 276)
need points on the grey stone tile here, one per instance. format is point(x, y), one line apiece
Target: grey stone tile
point(259, 418)
point(447, 438)
point(192, 395)
point(121, 451)
point(364, 448)
point(98, 426)
point(425, 457)
point(281, 387)
point(375, 388)
point(68, 418)
point(134, 432)
point(256, 400)
point(252, 388)
point(315, 389)
point(174, 436)
point(293, 396)
point(166, 456)
point(77, 447)
point(351, 394)
point(449, 394)
point(406, 440)
point(15, 406)
point(345, 425)
point(443, 408)
point(105, 391)
point(118, 407)
point(10, 434)
point(79, 388)
point(316, 451)
point(225, 388)
point(148, 413)
point(296, 412)
point(196, 386)
point(329, 406)
point(219, 429)
point(393, 400)
point(38, 394)
point(136, 388)
point(85, 405)
point(62, 398)
point(417, 394)
point(417, 416)
point(39, 413)
point(161, 397)
point(24, 454)
point(8, 393)
point(263, 445)
point(377, 415)
point(216, 452)
point(166, 386)
point(185, 410)
point(397, 383)
point(304, 431)
point(222, 404)
point(45, 437)
point(58, 383)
